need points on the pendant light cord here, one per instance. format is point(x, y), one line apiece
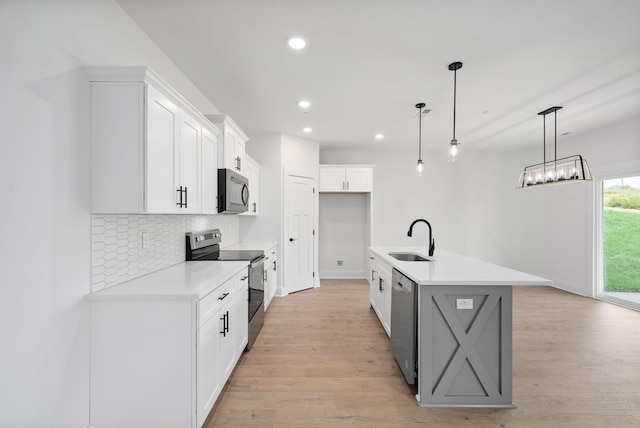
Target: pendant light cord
point(544, 144)
point(555, 141)
point(455, 72)
point(420, 136)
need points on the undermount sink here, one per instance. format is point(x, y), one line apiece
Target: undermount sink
point(409, 257)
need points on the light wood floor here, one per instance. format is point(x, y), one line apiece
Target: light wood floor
point(323, 360)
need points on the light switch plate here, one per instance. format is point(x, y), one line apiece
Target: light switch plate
point(464, 303)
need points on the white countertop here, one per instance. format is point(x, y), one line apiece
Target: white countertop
point(448, 268)
point(186, 280)
point(264, 246)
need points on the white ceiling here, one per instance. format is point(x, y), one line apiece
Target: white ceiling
point(368, 62)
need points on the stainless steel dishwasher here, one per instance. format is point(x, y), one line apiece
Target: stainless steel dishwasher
point(404, 324)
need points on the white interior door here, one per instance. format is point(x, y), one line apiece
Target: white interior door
point(298, 245)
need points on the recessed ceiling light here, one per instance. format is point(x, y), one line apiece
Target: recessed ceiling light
point(304, 104)
point(379, 136)
point(296, 42)
point(307, 129)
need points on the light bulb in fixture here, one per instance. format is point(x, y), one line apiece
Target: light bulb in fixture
point(538, 178)
point(307, 130)
point(304, 104)
point(419, 167)
point(296, 42)
point(453, 151)
point(561, 174)
point(379, 136)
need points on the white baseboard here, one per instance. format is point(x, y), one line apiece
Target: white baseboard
point(342, 275)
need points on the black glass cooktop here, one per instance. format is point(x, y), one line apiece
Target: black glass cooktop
point(239, 254)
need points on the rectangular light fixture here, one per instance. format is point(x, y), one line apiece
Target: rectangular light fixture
point(572, 169)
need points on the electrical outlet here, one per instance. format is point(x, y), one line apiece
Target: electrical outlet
point(464, 303)
point(340, 262)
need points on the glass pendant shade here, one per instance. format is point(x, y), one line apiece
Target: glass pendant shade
point(453, 151)
point(419, 167)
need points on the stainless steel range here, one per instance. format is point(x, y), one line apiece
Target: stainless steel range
point(206, 246)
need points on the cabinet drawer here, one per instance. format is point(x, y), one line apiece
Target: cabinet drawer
point(209, 305)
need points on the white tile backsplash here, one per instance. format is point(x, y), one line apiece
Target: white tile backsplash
point(116, 243)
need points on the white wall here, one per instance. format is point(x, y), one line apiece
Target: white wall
point(399, 196)
point(562, 232)
point(476, 210)
point(44, 176)
point(266, 149)
point(343, 235)
point(277, 154)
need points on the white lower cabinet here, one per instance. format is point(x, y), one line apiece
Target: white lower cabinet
point(380, 290)
point(270, 275)
point(208, 371)
point(162, 362)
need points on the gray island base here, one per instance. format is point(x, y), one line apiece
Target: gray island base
point(464, 326)
point(464, 354)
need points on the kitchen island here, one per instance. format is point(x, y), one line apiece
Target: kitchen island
point(463, 326)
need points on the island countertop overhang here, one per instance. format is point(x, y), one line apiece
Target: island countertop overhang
point(447, 268)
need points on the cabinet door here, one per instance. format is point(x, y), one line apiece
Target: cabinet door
point(251, 170)
point(227, 348)
point(386, 303)
point(161, 150)
point(240, 320)
point(359, 179)
point(230, 161)
point(239, 153)
point(189, 164)
point(272, 277)
point(373, 281)
point(267, 284)
point(209, 167)
point(372, 270)
point(332, 179)
point(208, 368)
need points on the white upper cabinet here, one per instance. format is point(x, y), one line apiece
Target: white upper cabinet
point(209, 165)
point(151, 151)
point(231, 145)
point(252, 172)
point(189, 169)
point(346, 178)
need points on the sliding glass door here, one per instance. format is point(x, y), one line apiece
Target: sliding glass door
point(620, 241)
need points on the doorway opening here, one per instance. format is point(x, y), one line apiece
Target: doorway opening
point(619, 212)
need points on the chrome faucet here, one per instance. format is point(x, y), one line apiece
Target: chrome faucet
point(432, 242)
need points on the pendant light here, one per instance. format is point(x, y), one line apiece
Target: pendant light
point(453, 145)
point(571, 169)
point(420, 165)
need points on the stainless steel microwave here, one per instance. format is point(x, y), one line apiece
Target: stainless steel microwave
point(233, 192)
